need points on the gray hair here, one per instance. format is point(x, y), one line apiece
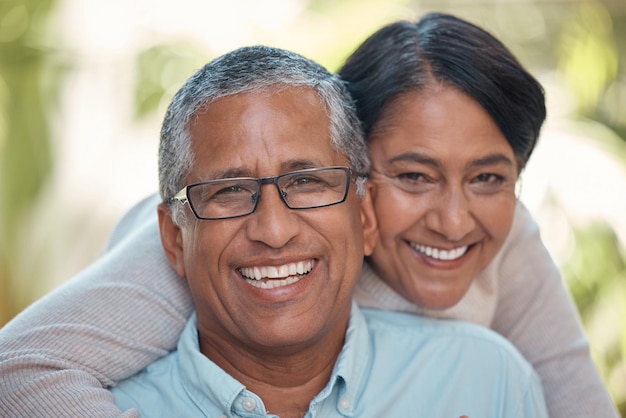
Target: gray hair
point(251, 70)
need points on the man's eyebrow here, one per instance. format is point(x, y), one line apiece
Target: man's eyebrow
point(301, 164)
point(290, 165)
point(228, 173)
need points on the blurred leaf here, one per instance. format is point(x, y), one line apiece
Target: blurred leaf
point(160, 72)
point(596, 275)
point(594, 264)
point(588, 54)
point(26, 158)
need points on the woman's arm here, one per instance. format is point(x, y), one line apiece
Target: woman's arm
point(536, 313)
point(110, 321)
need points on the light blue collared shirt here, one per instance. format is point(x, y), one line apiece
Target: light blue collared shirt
point(391, 365)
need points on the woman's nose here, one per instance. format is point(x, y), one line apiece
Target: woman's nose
point(450, 215)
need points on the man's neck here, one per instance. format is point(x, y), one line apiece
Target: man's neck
point(286, 379)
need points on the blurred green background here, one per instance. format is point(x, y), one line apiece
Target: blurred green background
point(83, 86)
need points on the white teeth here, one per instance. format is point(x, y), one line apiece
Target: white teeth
point(271, 284)
point(272, 272)
point(286, 271)
point(439, 254)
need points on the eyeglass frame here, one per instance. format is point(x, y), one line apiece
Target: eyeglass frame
point(183, 194)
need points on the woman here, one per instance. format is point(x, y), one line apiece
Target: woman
point(451, 119)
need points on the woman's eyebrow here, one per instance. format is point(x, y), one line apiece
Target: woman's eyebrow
point(491, 159)
point(416, 157)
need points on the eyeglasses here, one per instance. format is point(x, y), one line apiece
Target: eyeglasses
point(236, 197)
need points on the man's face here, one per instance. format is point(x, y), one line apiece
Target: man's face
point(263, 135)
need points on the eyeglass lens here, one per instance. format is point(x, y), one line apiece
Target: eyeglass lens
point(304, 189)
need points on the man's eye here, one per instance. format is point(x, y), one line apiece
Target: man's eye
point(303, 181)
point(229, 189)
point(226, 192)
point(306, 183)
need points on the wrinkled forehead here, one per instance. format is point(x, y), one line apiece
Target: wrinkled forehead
point(288, 128)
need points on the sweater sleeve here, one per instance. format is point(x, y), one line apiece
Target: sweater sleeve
point(536, 313)
point(104, 325)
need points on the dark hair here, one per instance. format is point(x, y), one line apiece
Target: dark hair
point(406, 56)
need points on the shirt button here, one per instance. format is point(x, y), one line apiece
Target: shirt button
point(344, 403)
point(248, 404)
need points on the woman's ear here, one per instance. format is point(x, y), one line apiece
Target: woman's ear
point(368, 218)
point(171, 239)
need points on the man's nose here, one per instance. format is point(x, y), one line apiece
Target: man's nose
point(272, 223)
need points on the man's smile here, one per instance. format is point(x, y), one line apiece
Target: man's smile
point(279, 276)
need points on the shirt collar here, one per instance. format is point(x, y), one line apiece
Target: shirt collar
point(212, 389)
point(216, 392)
point(350, 372)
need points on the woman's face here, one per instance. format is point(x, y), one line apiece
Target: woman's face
point(443, 183)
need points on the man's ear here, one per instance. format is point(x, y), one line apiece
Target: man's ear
point(368, 217)
point(171, 239)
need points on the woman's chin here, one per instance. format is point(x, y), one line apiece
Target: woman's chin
point(437, 305)
point(436, 297)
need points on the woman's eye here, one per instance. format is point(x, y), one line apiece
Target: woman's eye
point(488, 183)
point(489, 178)
point(413, 182)
point(412, 177)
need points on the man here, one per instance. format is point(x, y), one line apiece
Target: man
point(262, 169)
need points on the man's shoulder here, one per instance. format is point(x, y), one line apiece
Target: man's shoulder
point(445, 368)
point(391, 328)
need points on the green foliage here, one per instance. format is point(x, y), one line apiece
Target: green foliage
point(589, 61)
point(596, 275)
point(26, 158)
point(587, 277)
point(160, 71)
point(588, 54)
